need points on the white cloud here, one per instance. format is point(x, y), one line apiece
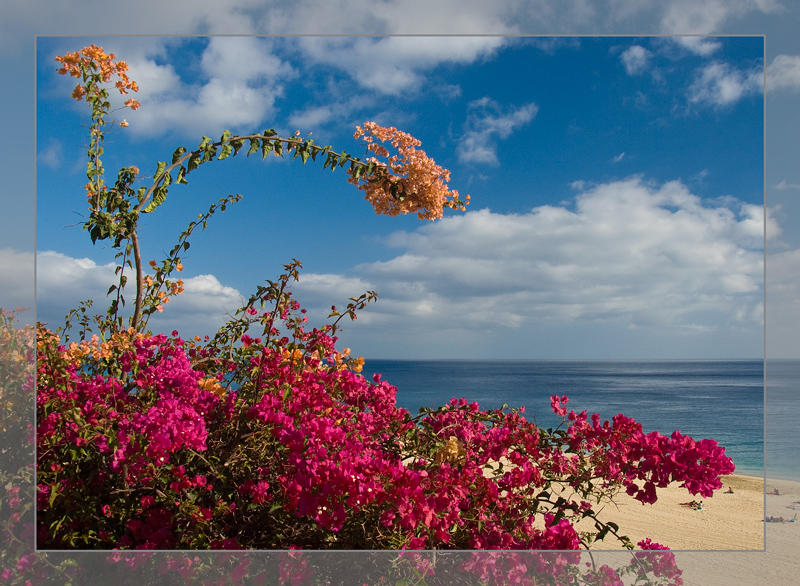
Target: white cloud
point(201, 309)
point(635, 59)
point(62, 282)
point(784, 73)
point(486, 122)
point(52, 155)
point(16, 286)
point(784, 185)
point(393, 65)
point(630, 253)
point(240, 81)
point(718, 84)
point(465, 17)
point(702, 46)
point(707, 16)
point(628, 256)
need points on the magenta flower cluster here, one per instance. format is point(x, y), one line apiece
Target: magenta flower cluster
point(147, 445)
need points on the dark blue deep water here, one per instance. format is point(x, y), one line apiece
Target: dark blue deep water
point(721, 400)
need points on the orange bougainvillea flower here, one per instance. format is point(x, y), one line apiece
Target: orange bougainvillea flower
point(93, 60)
point(409, 181)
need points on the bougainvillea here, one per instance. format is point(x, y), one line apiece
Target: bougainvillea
point(296, 449)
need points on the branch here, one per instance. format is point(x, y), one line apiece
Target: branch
point(340, 158)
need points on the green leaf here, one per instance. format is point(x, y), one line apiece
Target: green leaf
point(237, 144)
point(180, 178)
point(194, 162)
point(226, 148)
point(266, 148)
point(178, 154)
point(209, 153)
point(159, 195)
point(253, 146)
point(159, 170)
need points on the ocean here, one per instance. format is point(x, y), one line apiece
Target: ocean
point(720, 400)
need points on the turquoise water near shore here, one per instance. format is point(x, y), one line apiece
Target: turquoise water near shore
point(721, 400)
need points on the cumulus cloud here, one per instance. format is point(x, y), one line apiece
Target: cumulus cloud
point(63, 282)
point(629, 253)
point(784, 185)
point(52, 155)
point(239, 83)
point(635, 59)
point(784, 73)
point(626, 256)
point(487, 122)
point(702, 46)
point(393, 65)
point(718, 84)
point(465, 17)
point(706, 16)
point(16, 286)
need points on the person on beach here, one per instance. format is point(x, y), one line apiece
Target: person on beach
point(729, 491)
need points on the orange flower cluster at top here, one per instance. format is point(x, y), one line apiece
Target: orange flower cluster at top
point(93, 58)
point(409, 181)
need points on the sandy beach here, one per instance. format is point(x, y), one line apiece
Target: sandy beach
point(726, 521)
point(730, 527)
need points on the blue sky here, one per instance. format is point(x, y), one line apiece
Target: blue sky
point(616, 186)
point(563, 325)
